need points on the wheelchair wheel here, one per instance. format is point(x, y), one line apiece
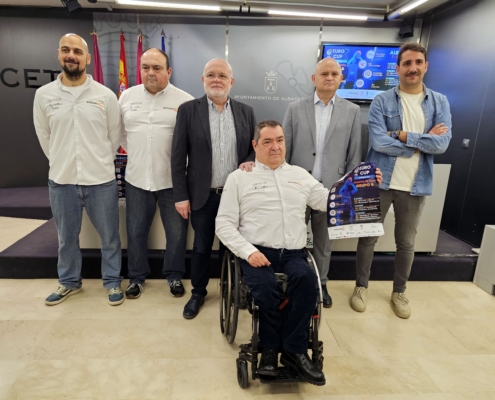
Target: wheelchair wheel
point(235, 283)
point(225, 294)
point(242, 373)
point(319, 298)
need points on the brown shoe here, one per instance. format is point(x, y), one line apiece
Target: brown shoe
point(401, 305)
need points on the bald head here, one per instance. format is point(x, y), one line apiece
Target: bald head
point(326, 62)
point(327, 78)
point(73, 55)
point(218, 61)
point(75, 38)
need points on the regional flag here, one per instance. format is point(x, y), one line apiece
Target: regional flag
point(123, 77)
point(97, 69)
point(138, 62)
point(163, 41)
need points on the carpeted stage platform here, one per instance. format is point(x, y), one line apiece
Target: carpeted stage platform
point(35, 255)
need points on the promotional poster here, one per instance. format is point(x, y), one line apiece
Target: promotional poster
point(120, 165)
point(354, 205)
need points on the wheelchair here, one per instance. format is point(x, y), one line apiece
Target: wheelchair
point(231, 289)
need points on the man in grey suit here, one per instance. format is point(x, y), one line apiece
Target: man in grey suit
point(323, 136)
point(212, 138)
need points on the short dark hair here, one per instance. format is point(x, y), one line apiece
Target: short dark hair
point(263, 124)
point(161, 52)
point(410, 46)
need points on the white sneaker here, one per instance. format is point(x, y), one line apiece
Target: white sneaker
point(401, 305)
point(358, 299)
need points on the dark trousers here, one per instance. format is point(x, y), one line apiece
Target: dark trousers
point(276, 332)
point(141, 209)
point(203, 223)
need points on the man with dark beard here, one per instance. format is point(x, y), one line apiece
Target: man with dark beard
point(408, 125)
point(77, 121)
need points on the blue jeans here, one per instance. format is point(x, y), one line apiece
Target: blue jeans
point(203, 223)
point(293, 331)
point(101, 203)
point(141, 208)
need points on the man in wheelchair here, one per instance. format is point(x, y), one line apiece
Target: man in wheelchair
point(261, 219)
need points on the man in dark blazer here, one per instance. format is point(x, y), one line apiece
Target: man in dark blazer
point(212, 138)
point(323, 136)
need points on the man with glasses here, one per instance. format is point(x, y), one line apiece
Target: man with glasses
point(212, 138)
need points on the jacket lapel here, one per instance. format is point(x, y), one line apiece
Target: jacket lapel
point(202, 106)
point(337, 107)
point(310, 114)
point(237, 123)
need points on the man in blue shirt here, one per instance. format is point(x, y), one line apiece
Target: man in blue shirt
point(408, 125)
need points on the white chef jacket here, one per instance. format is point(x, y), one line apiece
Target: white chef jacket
point(79, 132)
point(148, 124)
point(268, 208)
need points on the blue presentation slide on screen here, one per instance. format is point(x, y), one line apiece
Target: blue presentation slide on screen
point(368, 70)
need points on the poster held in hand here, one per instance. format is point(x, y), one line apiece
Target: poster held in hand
point(353, 208)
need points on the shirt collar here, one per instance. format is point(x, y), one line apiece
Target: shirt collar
point(89, 80)
point(425, 90)
point(163, 91)
point(263, 166)
point(317, 100)
point(212, 105)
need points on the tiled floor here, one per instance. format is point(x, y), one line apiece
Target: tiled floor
point(144, 349)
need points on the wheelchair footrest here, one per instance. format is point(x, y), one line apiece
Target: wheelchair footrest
point(284, 374)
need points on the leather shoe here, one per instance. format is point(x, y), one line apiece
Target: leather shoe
point(268, 363)
point(327, 300)
point(191, 309)
point(305, 368)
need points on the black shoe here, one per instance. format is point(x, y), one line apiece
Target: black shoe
point(327, 300)
point(176, 288)
point(305, 368)
point(268, 363)
point(134, 290)
point(192, 307)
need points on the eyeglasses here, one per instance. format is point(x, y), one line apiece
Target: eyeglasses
point(212, 76)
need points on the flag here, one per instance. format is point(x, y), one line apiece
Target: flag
point(138, 63)
point(163, 41)
point(97, 70)
point(123, 77)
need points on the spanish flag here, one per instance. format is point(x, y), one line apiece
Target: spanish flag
point(123, 77)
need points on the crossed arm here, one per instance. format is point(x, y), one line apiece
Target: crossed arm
point(435, 142)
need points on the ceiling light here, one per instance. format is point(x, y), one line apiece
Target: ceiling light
point(404, 9)
point(318, 15)
point(168, 5)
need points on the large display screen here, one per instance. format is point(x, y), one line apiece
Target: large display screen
point(368, 69)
